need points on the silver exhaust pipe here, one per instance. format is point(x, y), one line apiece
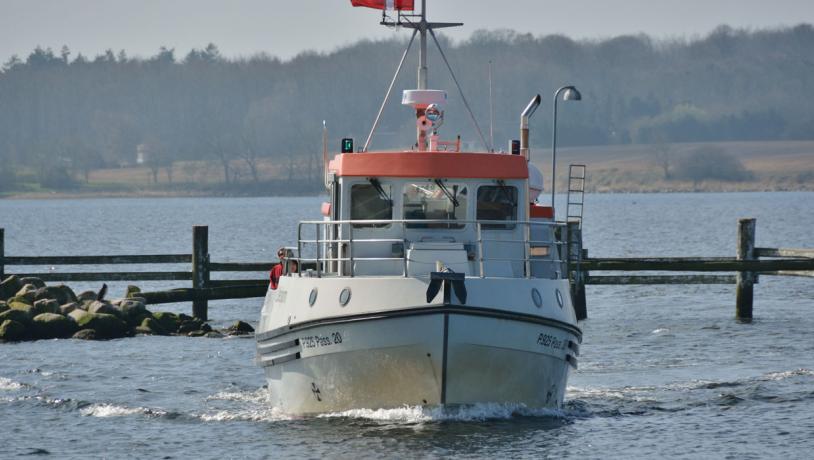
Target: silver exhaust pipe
point(524, 126)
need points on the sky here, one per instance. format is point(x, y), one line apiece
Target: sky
point(286, 28)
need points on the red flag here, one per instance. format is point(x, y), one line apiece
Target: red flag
point(385, 4)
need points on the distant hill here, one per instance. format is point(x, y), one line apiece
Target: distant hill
point(63, 116)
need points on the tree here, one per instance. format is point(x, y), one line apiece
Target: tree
point(711, 162)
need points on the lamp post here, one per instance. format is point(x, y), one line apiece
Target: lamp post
point(571, 94)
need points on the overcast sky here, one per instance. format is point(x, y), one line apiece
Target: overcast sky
point(284, 28)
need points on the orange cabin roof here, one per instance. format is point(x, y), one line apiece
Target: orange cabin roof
point(430, 165)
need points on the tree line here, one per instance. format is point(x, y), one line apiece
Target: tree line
point(64, 115)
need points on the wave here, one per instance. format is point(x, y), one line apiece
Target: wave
point(253, 406)
point(112, 410)
point(10, 385)
point(463, 413)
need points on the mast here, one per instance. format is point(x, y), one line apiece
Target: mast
point(422, 27)
point(422, 50)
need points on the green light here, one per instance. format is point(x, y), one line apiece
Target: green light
point(347, 145)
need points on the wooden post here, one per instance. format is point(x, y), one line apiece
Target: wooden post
point(200, 270)
point(575, 274)
point(2, 253)
point(744, 294)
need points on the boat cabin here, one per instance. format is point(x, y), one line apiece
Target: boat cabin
point(411, 213)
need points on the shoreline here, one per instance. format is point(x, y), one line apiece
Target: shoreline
point(21, 196)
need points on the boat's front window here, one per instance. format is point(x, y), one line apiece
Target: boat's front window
point(371, 202)
point(434, 200)
point(497, 202)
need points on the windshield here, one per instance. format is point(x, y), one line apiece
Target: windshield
point(435, 200)
point(497, 203)
point(370, 202)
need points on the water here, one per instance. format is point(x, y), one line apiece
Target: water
point(664, 371)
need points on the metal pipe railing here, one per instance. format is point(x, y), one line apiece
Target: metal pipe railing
point(558, 244)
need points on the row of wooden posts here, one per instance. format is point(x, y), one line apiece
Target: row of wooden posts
point(748, 264)
point(203, 287)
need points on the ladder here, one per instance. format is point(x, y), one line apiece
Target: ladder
point(576, 193)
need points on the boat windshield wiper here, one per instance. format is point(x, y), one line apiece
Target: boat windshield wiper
point(449, 194)
point(505, 190)
point(378, 186)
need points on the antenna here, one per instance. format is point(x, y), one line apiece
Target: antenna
point(491, 110)
point(420, 25)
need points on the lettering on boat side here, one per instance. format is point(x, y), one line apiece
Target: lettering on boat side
point(549, 341)
point(316, 341)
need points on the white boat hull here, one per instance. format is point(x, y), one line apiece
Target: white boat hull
point(419, 356)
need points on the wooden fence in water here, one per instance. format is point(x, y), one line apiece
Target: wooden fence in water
point(748, 264)
point(203, 287)
point(743, 271)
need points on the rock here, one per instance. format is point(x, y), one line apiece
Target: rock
point(240, 328)
point(12, 331)
point(144, 330)
point(206, 327)
point(77, 315)
point(85, 334)
point(151, 325)
point(197, 334)
point(46, 306)
point(29, 310)
point(18, 315)
point(62, 294)
point(27, 292)
point(190, 325)
point(168, 321)
point(132, 291)
point(52, 326)
point(67, 308)
point(131, 308)
point(213, 335)
point(34, 281)
point(67, 292)
point(137, 320)
point(86, 295)
point(103, 306)
point(9, 287)
point(106, 326)
point(20, 299)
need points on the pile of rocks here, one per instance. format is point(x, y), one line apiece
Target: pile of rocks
point(30, 310)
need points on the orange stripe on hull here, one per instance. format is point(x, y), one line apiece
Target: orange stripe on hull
point(432, 165)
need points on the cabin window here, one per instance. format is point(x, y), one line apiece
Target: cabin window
point(497, 202)
point(371, 202)
point(435, 200)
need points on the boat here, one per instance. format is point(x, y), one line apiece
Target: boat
point(433, 278)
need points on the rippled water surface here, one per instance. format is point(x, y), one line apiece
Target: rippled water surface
point(664, 371)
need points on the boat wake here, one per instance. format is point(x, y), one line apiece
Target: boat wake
point(255, 405)
point(249, 406)
point(773, 387)
point(463, 413)
point(114, 410)
point(10, 385)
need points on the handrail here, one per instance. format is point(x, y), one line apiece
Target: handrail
point(344, 249)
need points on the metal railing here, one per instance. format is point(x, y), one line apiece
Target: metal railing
point(333, 242)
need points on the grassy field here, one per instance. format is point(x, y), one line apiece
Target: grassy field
point(781, 165)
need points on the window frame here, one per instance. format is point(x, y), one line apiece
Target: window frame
point(496, 226)
point(463, 186)
point(388, 188)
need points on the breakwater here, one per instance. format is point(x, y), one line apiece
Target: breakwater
point(31, 310)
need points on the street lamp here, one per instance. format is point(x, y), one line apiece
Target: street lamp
point(571, 94)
